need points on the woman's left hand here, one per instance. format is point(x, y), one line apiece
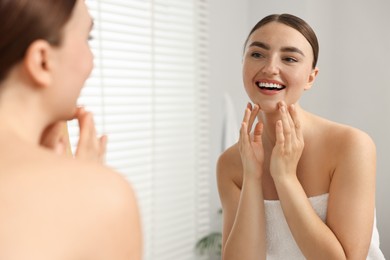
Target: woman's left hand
point(90, 147)
point(289, 143)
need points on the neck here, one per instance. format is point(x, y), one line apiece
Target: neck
point(269, 121)
point(21, 115)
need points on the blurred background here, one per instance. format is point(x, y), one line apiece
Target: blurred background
point(168, 92)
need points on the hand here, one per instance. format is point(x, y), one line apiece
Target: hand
point(289, 143)
point(251, 149)
point(89, 146)
point(56, 138)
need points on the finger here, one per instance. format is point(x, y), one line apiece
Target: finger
point(241, 137)
point(86, 123)
point(289, 117)
point(244, 133)
point(88, 145)
point(103, 148)
point(297, 123)
point(291, 123)
point(285, 114)
point(279, 135)
point(257, 133)
point(248, 108)
point(247, 115)
point(286, 126)
point(253, 116)
point(79, 112)
point(87, 129)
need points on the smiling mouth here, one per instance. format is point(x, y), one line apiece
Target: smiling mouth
point(270, 86)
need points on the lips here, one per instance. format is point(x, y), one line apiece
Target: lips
point(270, 86)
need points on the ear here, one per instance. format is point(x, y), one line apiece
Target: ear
point(37, 63)
point(312, 78)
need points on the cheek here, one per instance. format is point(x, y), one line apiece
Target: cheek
point(86, 62)
point(248, 74)
point(299, 78)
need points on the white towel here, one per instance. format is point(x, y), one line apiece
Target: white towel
point(280, 242)
point(375, 253)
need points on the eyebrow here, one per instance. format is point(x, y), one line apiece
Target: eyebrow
point(283, 49)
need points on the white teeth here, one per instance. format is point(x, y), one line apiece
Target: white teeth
point(269, 85)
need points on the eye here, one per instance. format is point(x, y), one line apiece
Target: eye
point(256, 55)
point(290, 59)
point(90, 37)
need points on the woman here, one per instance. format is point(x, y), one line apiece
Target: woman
point(300, 187)
point(53, 206)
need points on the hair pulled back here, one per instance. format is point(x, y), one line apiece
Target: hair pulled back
point(25, 21)
point(296, 23)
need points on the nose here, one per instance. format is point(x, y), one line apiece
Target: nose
point(270, 67)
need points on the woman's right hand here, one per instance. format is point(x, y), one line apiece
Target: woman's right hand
point(251, 148)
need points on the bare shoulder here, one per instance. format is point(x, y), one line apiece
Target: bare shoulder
point(108, 210)
point(106, 179)
point(351, 152)
point(91, 209)
point(339, 140)
point(351, 141)
point(94, 180)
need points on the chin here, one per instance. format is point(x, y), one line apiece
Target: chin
point(70, 113)
point(268, 106)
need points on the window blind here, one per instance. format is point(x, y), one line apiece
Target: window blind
point(149, 93)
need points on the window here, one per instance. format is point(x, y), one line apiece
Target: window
point(149, 94)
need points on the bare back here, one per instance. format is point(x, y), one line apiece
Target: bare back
point(55, 207)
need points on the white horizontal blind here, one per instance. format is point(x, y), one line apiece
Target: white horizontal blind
point(149, 94)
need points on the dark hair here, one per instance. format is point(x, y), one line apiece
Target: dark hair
point(296, 23)
point(24, 21)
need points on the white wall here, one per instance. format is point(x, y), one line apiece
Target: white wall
point(353, 86)
point(229, 25)
point(356, 40)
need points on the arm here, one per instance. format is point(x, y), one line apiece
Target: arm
point(243, 211)
point(352, 204)
point(350, 212)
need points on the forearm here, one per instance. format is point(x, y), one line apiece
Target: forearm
point(247, 236)
point(314, 238)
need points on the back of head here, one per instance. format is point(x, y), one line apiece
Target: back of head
point(24, 21)
point(296, 23)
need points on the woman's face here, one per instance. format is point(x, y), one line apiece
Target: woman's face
point(74, 59)
point(277, 66)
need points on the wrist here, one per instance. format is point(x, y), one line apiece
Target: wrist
point(285, 179)
point(252, 175)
